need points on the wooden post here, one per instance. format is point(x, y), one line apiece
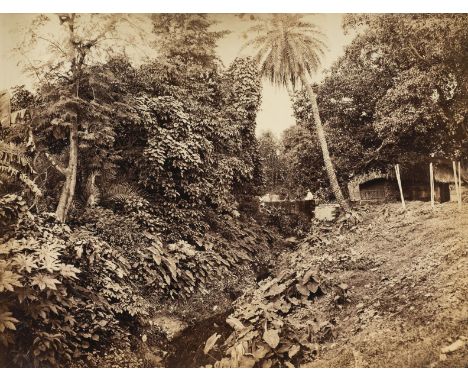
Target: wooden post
point(397, 171)
point(431, 175)
point(459, 187)
point(455, 177)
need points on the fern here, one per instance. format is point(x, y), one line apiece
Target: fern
point(15, 165)
point(14, 154)
point(122, 193)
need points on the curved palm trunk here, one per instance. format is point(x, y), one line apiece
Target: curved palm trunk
point(68, 188)
point(324, 146)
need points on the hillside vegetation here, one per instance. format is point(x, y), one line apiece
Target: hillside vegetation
point(388, 292)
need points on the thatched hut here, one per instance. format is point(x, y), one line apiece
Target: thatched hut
point(443, 173)
point(381, 186)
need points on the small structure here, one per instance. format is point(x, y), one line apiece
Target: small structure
point(374, 186)
point(268, 198)
point(380, 186)
point(443, 173)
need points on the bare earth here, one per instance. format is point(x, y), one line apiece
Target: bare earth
point(407, 280)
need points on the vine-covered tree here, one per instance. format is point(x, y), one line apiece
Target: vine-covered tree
point(75, 103)
point(240, 104)
point(303, 162)
point(199, 147)
point(396, 95)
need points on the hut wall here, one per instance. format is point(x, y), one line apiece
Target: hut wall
point(378, 190)
point(358, 180)
point(453, 193)
point(422, 191)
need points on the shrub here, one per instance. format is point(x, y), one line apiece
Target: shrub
point(64, 295)
point(12, 210)
point(287, 223)
point(266, 333)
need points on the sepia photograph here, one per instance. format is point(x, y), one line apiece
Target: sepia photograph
point(233, 190)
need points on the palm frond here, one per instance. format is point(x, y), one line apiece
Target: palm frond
point(121, 193)
point(287, 47)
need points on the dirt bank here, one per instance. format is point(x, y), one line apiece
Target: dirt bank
point(395, 291)
point(408, 288)
point(395, 296)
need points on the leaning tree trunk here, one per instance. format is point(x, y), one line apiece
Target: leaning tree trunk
point(324, 146)
point(68, 188)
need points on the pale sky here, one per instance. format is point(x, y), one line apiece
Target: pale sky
point(276, 111)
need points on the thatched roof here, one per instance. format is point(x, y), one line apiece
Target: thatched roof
point(371, 175)
point(443, 172)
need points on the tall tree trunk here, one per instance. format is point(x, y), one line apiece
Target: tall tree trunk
point(91, 190)
point(68, 188)
point(324, 146)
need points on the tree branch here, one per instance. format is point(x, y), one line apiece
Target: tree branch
point(54, 44)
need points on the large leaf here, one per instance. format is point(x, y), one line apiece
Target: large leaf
point(313, 286)
point(171, 266)
point(51, 264)
point(156, 253)
point(69, 271)
point(271, 337)
point(247, 361)
point(44, 281)
point(210, 342)
point(261, 352)
point(7, 321)
point(8, 280)
point(275, 290)
point(293, 350)
point(25, 262)
point(302, 290)
point(234, 323)
point(311, 273)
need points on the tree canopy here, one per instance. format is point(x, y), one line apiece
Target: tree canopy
point(397, 93)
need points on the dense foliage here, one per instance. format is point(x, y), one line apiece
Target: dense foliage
point(150, 159)
point(270, 154)
point(397, 94)
point(128, 189)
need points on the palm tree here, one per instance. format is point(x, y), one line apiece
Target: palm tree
point(288, 51)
